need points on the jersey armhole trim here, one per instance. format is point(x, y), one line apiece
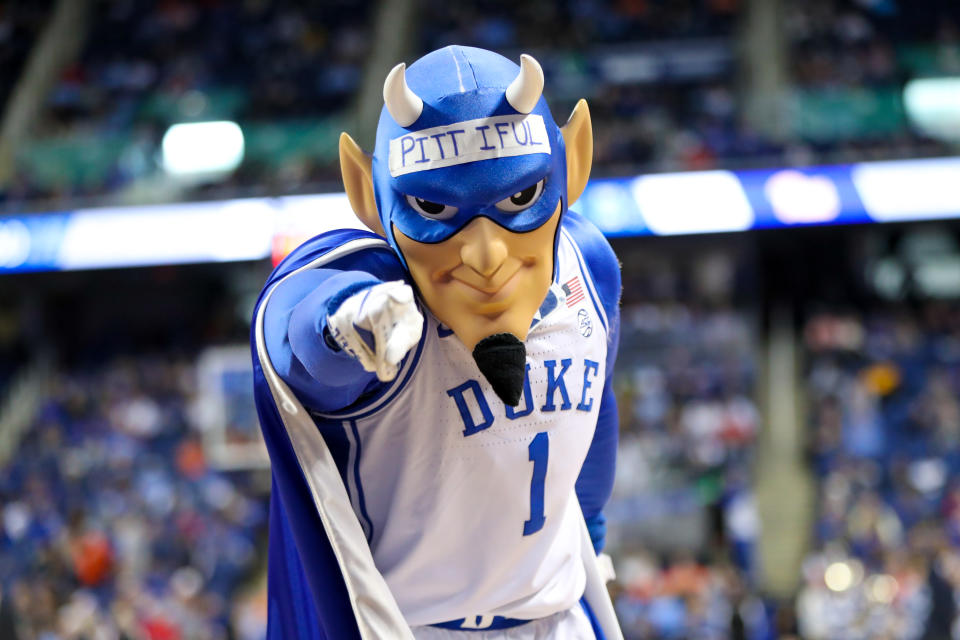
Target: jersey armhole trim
point(588, 280)
point(354, 484)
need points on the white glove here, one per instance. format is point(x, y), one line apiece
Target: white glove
point(378, 326)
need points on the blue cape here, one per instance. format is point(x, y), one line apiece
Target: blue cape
point(312, 603)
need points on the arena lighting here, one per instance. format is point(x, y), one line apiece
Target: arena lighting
point(838, 576)
point(199, 148)
point(647, 205)
point(15, 243)
point(882, 588)
point(225, 231)
point(933, 105)
point(905, 190)
point(694, 202)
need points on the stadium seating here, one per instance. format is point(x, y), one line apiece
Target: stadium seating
point(883, 392)
point(113, 520)
point(683, 518)
point(662, 80)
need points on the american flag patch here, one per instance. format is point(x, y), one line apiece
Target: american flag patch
point(574, 291)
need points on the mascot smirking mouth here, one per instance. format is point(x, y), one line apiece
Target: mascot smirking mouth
point(436, 394)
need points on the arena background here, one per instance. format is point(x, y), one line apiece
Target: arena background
point(778, 177)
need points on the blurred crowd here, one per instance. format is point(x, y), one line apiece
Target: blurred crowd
point(848, 63)
point(286, 59)
point(664, 81)
point(114, 525)
point(657, 75)
point(542, 24)
point(884, 409)
point(683, 519)
point(683, 598)
point(147, 64)
point(870, 43)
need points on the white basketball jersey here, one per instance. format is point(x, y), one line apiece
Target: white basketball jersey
point(469, 504)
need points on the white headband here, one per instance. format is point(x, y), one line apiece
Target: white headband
point(468, 141)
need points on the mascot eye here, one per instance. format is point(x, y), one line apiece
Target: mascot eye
point(521, 199)
point(432, 210)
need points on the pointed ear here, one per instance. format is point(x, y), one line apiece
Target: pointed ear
point(578, 139)
point(356, 167)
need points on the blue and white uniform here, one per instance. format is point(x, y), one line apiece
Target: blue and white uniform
point(467, 504)
point(425, 502)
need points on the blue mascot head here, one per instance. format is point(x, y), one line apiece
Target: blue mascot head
point(469, 182)
point(468, 145)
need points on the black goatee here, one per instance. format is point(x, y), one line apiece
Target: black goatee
point(502, 360)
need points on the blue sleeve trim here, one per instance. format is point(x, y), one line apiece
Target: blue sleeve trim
point(337, 299)
point(333, 305)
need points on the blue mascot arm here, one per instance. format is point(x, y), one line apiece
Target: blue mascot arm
point(309, 596)
point(595, 483)
point(294, 326)
point(325, 378)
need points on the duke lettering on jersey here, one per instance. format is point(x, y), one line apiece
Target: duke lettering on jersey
point(460, 395)
point(474, 407)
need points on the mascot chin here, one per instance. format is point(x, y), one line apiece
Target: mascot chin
point(436, 394)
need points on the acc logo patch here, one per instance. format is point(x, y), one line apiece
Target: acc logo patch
point(586, 325)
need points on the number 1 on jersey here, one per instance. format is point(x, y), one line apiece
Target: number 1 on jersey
point(539, 450)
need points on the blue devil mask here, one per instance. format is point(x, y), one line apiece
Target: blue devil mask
point(463, 131)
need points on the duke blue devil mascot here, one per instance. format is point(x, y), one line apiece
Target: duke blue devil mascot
point(436, 395)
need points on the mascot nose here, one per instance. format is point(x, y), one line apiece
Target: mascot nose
point(483, 250)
